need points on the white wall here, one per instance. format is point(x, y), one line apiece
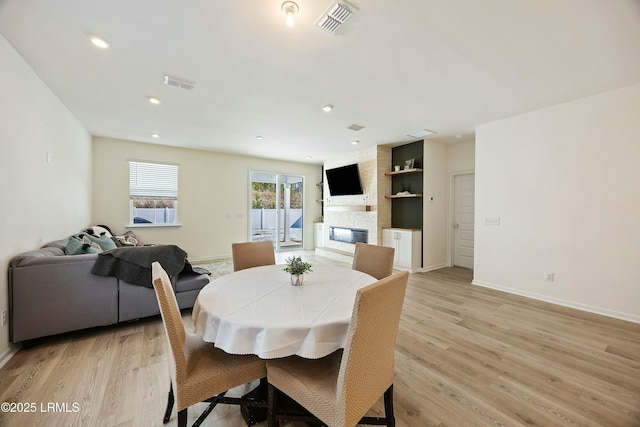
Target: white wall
point(564, 182)
point(213, 194)
point(43, 201)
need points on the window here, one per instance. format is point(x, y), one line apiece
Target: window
point(153, 193)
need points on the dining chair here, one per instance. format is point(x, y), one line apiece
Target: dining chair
point(340, 388)
point(252, 254)
point(374, 260)
point(199, 371)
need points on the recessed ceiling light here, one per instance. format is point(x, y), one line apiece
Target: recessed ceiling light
point(309, 157)
point(355, 142)
point(155, 135)
point(421, 133)
point(259, 137)
point(154, 100)
point(100, 42)
point(327, 108)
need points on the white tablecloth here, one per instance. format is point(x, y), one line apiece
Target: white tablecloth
point(257, 311)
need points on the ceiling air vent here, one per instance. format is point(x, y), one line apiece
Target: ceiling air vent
point(333, 18)
point(355, 127)
point(179, 82)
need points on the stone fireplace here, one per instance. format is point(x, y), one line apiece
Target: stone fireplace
point(357, 218)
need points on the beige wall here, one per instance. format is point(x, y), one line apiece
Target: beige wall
point(213, 194)
point(435, 204)
point(49, 200)
point(563, 181)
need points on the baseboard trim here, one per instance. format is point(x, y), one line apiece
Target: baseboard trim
point(11, 351)
point(433, 267)
point(583, 307)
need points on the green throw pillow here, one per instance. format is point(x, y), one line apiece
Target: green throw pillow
point(105, 242)
point(77, 245)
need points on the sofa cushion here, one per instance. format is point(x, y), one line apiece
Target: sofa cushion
point(191, 282)
point(47, 251)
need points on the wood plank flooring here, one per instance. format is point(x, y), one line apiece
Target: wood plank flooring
point(466, 356)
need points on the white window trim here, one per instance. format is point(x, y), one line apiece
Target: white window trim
point(154, 225)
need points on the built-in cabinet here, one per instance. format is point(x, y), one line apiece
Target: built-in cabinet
point(405, 183)
point(408, 247)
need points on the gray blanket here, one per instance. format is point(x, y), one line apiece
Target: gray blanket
point(133, 264)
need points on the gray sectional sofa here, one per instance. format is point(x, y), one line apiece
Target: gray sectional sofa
point(52, 293)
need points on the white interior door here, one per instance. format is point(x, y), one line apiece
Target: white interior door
point(463, 214)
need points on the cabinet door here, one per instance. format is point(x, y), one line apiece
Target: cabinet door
point(389, 240)
point(404, 247)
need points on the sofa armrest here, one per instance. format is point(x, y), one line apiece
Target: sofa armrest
point(52, 295)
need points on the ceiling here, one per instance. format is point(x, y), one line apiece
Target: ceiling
point(394, 67)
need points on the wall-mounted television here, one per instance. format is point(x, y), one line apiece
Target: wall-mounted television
point(344, 181)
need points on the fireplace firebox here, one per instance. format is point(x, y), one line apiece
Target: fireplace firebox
point(348, 235)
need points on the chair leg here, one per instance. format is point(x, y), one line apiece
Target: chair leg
point(388, 407)
point(182, 418)
point(272, 405)
point(170, 401)
point(389, 419)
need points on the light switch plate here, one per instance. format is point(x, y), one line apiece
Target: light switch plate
point(493, 220)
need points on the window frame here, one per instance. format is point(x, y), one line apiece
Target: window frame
point(172, 178)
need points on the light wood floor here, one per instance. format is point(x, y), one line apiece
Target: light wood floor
point(466, 356)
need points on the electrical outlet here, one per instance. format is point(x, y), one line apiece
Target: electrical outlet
point(4, 317)
point(548, 277)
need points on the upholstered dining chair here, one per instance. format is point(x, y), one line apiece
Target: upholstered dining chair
point(252, 254)
point(340, 388)
point(199, 371)
point(374, 260)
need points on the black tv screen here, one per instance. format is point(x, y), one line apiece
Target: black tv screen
point(344, 181)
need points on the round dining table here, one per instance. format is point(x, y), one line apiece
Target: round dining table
point(258, 311)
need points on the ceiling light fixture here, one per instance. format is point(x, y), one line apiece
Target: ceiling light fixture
point(154, 100)
point(290, 9)
point(355, 142)
point(421, 133)
point(155, 135)
point(327, 108)
point(259, 137)
point(100, 42)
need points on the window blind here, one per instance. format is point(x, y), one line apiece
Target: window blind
point(153, 180)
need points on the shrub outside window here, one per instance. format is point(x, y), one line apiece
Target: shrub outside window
point(153, 193)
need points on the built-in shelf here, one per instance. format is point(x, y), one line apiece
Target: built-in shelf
point(401, 196)
point(403, 171)
point(350, 208)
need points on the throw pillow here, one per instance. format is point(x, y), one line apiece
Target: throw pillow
point(98, 230)
point(104, 242)
point(129, 239)
point(77, 245)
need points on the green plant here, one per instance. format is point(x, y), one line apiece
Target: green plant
point(296, 266)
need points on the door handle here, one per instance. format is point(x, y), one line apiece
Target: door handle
point(456, 225)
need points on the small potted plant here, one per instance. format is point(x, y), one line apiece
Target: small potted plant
point(297, 268)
